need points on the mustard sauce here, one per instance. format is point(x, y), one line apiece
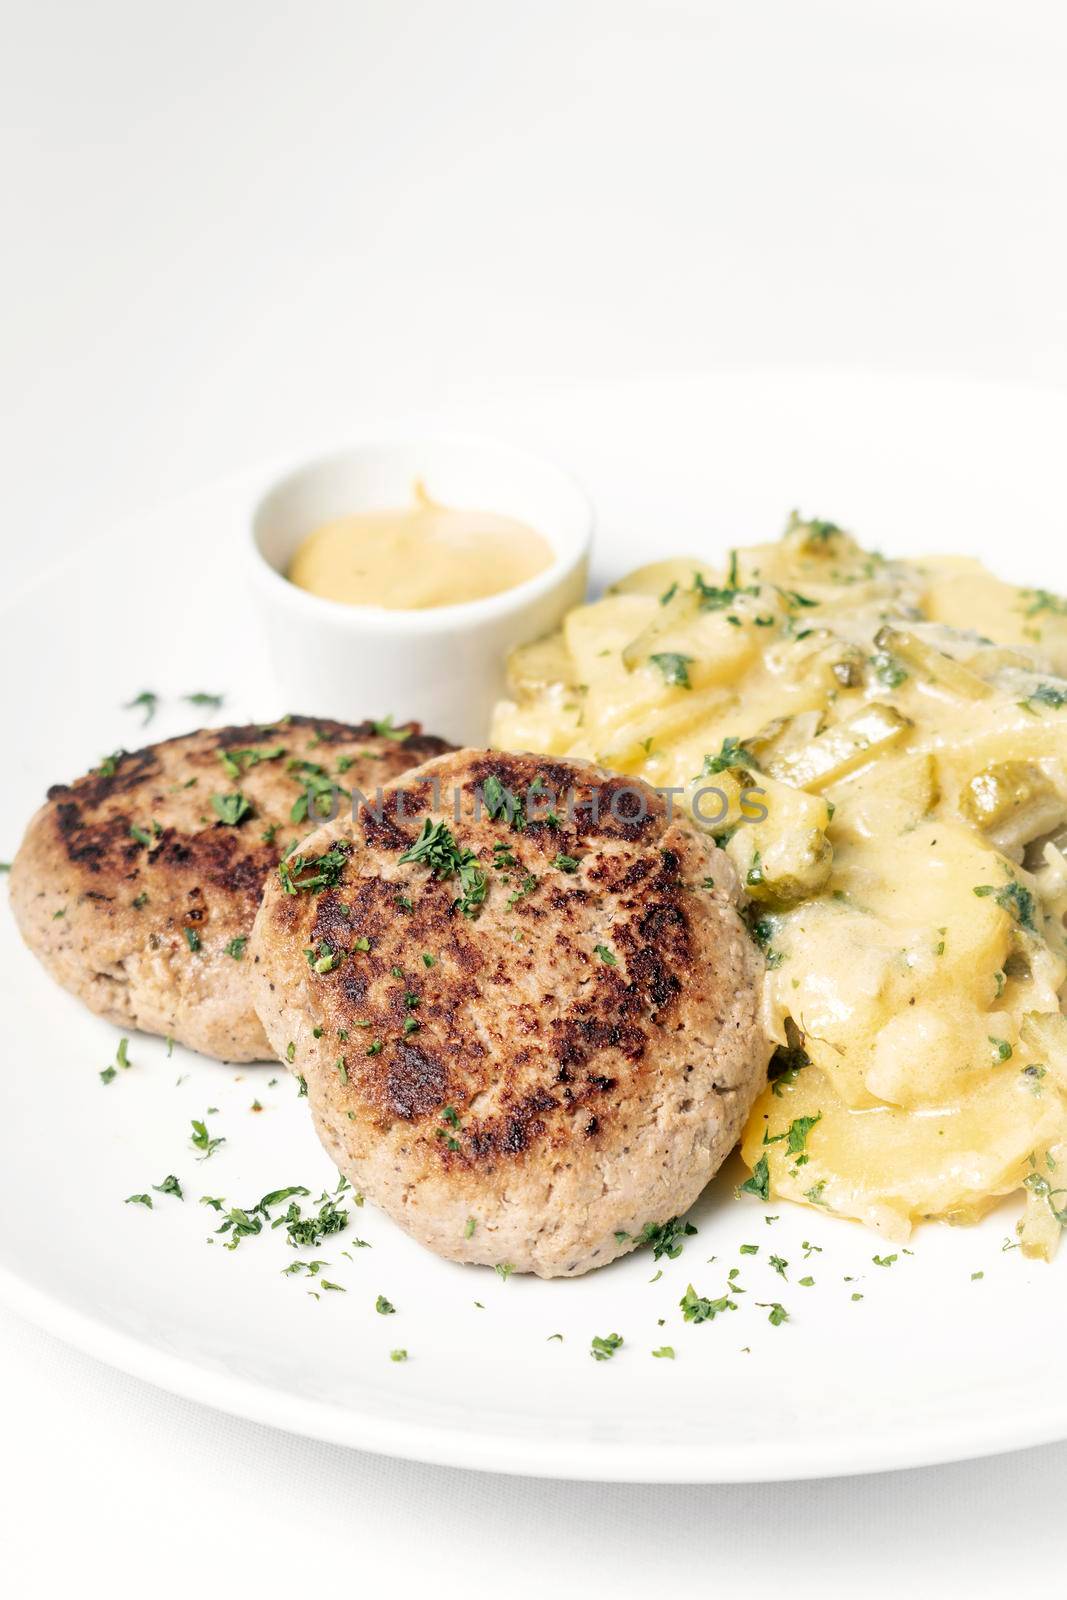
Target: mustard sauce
point(415, 558)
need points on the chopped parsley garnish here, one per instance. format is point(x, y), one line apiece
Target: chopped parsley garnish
point(666, 1238)
point(816, 529)
point(170, 1185)
point(697, 1308)
point(200, 698)
point(713, 598)
point(234, 761)
point(398, 1355)
point(147, 702)
point(320, 793)
point(499, 801)
point(304, 1232)
point(385, 730)
point(323, 958)
point(202, 1140)
point(1047, 694)
point(732, 754)
point(324, 872)
point(236, 946)
point(606, 955)
point(785, 1065)
point(384, 1307)
point(231, 808)
point(139, 1200)
point(192, 939)
point(664, 1353)
point(883, 1261)
point(796, 1135)
point(437, 849)
point(1043, 600)
point(778, 1313)
point(564, 863)
point(759, 1182)
point(121, 1060)
point(762, 931)
point(526, 887)
point(603, 1349)
point(1013, 897)
point(503, 1270)
point(888, 670)
point(1039, 1185)
point(674, 667)
point(237, 1222)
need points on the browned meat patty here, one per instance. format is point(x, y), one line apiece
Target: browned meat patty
point(136, 885)
point(524, 1039)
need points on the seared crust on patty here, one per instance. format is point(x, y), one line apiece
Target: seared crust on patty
point(535, 1038)
point(139, 896)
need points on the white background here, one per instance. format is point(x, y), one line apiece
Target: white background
point(231, 229)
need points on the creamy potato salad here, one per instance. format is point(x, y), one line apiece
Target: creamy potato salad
point(881, 747)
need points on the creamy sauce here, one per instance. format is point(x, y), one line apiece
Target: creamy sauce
point(909, 877)
point(422, 556)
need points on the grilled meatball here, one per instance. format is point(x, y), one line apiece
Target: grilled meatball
point(136, 886)
point(525, 1033)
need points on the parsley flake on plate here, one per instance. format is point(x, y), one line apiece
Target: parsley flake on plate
point(697, 1308)
point(203, 1141)
point(147, 702)
point(603, 1349)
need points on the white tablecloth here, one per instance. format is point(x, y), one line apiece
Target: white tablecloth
point(230, 229)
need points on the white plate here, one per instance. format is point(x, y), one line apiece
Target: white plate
point(931, 1364)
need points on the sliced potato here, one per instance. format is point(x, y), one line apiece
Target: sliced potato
point(885, 798)
point(660, 578)
point(540, 666)
point(596, 635)
point(890, 1168)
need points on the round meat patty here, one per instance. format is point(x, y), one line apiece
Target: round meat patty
point(137, 885)
point(524, 1003)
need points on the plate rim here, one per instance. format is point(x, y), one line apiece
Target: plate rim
point(514, 1455)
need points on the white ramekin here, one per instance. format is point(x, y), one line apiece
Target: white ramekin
point(443, 666)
